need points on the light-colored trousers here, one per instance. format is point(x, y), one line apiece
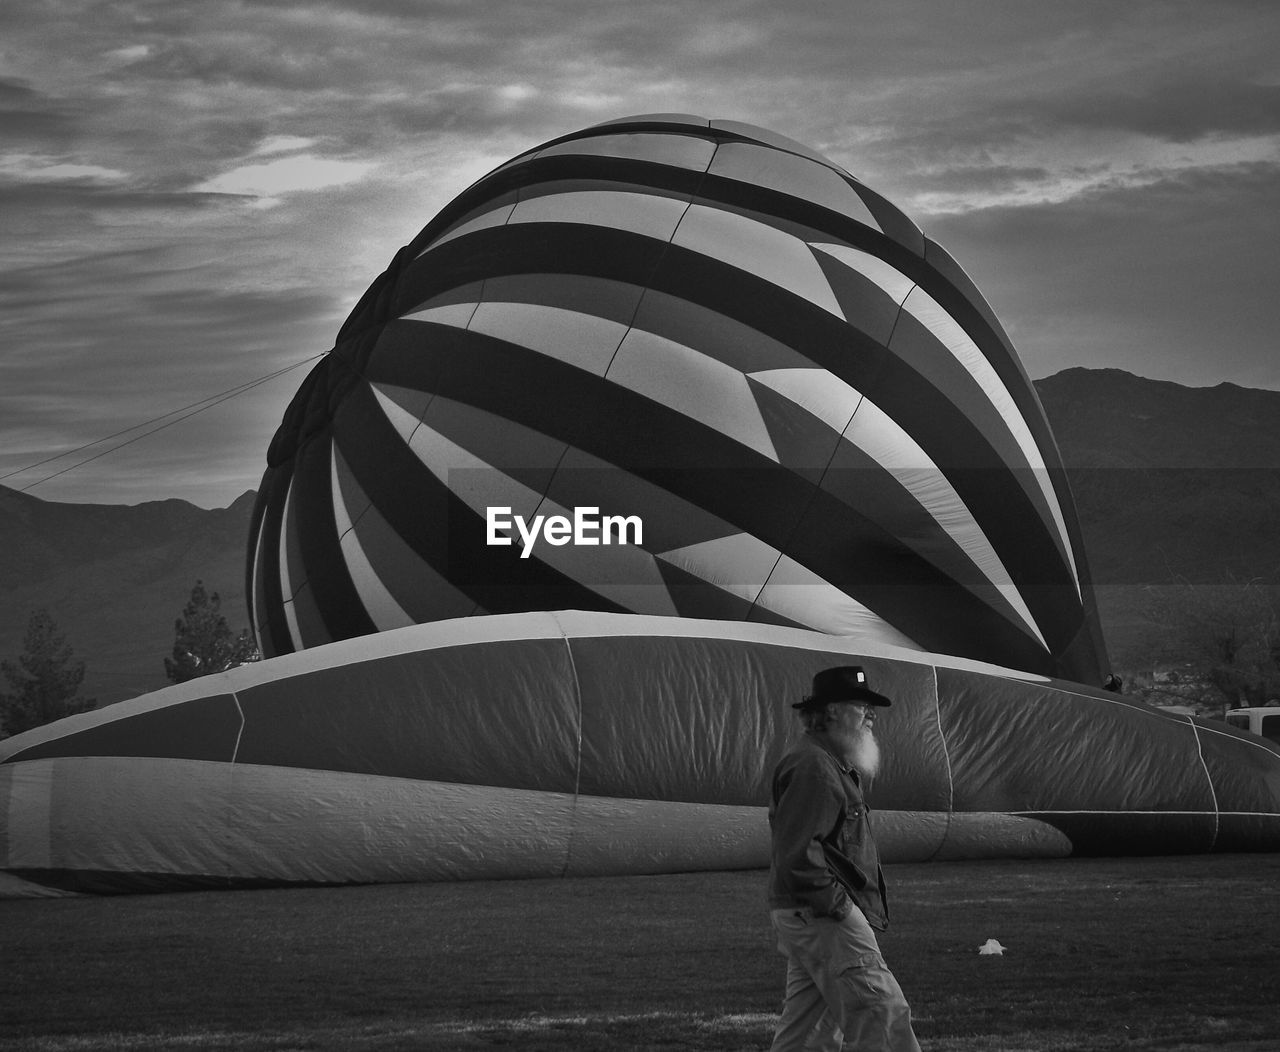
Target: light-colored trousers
point(838, 987)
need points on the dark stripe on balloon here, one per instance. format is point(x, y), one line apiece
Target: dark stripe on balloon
point(442, 529)
point(929, 360)
point(370, 717)
point(418, 589)
point(960, 297)
point(200, 729)
point(268, 610)
point(584, 293)
point(333, 597)
point(312, 629)
point(859, 482)
point(257, 613)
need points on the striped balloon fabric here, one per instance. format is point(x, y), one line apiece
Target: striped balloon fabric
point(676, 366)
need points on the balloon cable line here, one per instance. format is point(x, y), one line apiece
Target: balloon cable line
point(174, 416)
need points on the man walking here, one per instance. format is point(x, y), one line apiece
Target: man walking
point(826, 888)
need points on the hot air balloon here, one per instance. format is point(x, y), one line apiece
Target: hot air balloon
point(713, 331)
point(646, 426)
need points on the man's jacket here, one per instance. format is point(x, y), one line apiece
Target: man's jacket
point(823, 851)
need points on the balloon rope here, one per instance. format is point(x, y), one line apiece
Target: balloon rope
point(186, 412)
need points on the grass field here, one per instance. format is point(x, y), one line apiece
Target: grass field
point(1138, 954)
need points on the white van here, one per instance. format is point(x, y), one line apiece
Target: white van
point(1263, 720)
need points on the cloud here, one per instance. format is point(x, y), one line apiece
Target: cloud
point(29, 168)
point(29, 117)
point(282, 144)
point(129, 54)
point(1179, 110)
point(288, 175)
point(1130, 163)
point(718, 39)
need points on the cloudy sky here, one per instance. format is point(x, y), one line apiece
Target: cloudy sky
point(194, 193)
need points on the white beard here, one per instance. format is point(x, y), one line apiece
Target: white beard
point(866, 754)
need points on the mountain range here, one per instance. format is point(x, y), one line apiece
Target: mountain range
point(1171, 483)
point(115, 578)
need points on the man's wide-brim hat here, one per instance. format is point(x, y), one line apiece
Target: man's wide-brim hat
point(843, 683)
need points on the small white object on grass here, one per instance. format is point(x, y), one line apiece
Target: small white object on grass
point(991, 946)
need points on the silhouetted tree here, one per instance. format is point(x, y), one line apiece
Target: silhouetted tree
point(1225, 635)
point(203, 643)
point(44, 681)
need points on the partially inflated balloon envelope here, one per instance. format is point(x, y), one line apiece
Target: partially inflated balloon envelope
point(708, 334)
point(643, 429)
